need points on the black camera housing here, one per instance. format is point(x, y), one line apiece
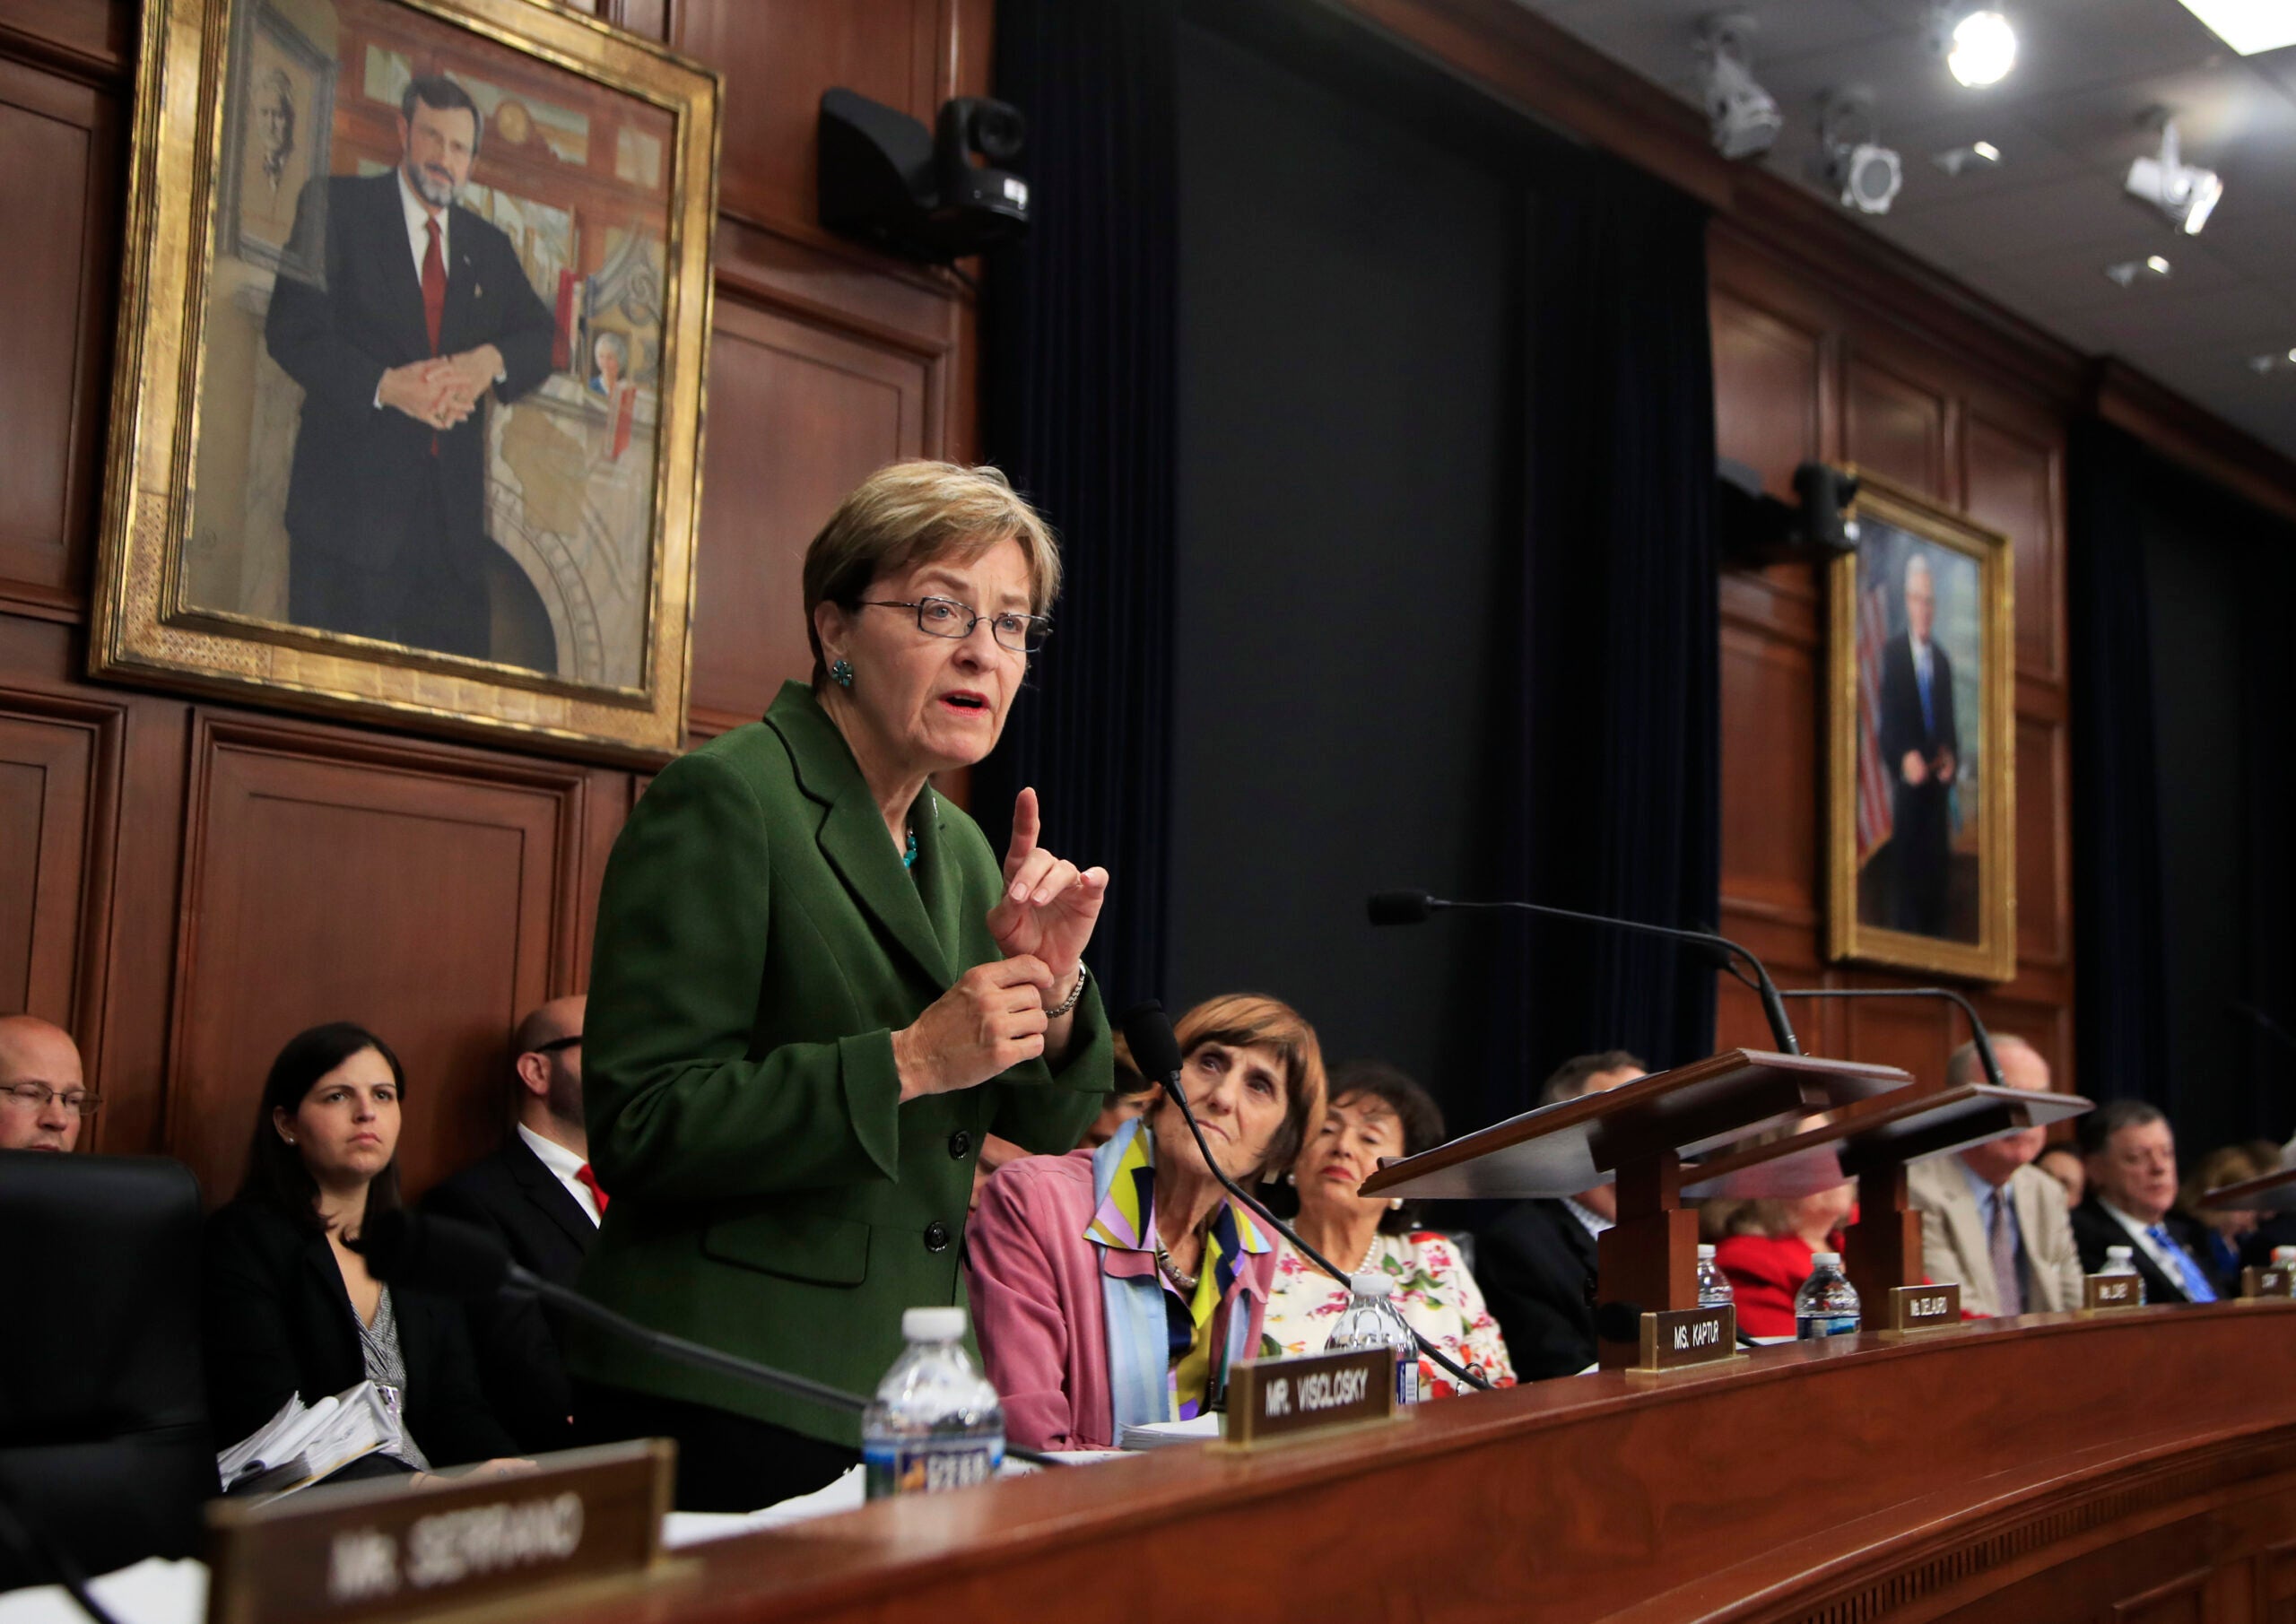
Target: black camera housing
point(1755, 529)
point(887, 181)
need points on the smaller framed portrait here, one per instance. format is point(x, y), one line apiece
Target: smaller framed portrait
point(1920, 768)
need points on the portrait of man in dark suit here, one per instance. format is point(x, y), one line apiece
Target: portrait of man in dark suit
point(1920, 749)
point(421, 321)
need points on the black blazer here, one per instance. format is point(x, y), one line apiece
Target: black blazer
point(275, 1319)
point(359, 469)
point(2095, 1230)
point(519, 1366)
point(1536, 1268)
point(1903, 729)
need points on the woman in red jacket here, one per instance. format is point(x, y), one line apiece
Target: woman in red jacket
point(1766, 1248)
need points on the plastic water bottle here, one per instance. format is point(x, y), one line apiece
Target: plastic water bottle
point(1827, 1303)
point(1372, 1320)
point(935, 1422)
point(2122, 1260)
point(1713, 1285)
point(2283, 1257)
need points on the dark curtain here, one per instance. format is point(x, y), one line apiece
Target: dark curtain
point(2120, 1011)
point(1079, 384)
point(1611, 727)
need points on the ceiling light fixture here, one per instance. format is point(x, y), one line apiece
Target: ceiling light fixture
point(1975, 41)
point(1742, 117)
point(2129, 270)
point(1851, 163)
point(2248, 26)
point(1977, 155)
point(2185, 193)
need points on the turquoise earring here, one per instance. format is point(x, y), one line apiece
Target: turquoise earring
point(841, 673)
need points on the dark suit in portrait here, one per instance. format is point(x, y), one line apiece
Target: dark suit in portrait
point(520, 1367)
point(386, 519)
point(1922, 814)
point(1537, 1269)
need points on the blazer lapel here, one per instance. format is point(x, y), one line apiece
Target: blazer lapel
point(396, 253)
point(462, 282)
point(541, 1187)
point(1971, 1244)
point(852, 834)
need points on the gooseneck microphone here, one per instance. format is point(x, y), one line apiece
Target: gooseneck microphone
point(1982, 1038)
point(1414, 907)
point(1156, 1051)
point(450, 1258)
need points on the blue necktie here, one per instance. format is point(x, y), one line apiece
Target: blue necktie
point(1921, 672)
point(2197, 1287)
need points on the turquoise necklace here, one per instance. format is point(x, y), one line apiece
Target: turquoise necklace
point(909, 856)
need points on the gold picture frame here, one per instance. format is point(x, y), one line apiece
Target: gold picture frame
point(1918, 878)
point(272, 535)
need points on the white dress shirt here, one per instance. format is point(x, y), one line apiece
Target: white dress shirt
point(2168, 1265)
point(1594, 1222)
point(564, 1164)
point(418, 218)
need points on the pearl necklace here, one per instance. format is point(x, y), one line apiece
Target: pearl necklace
point(1370, 1253)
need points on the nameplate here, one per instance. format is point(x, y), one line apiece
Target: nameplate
point(1923, 1307)
point(380, 1548)
point(2268, 1282)
point(1678, 1338)
point(1270, 1398)
point(2112, 1292)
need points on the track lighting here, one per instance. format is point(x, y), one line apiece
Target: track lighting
point(1851, 163)
point(1742, 117)
point(1976, 41)
point(2185, 193)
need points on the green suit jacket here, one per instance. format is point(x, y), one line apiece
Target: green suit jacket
point(757, 944)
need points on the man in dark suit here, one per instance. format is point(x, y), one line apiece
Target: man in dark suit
point(1920, 747)
point(2131, 1156)
point(417, 311)
point(1536, 1264)
point(537, 1192)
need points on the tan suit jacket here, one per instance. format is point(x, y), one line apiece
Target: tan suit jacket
point(1955, 1246)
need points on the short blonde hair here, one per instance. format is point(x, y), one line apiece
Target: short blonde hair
point(1244, 1020)
point(906, 514)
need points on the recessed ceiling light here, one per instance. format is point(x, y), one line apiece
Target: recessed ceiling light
point(1980, 47)
point(1978, 154)
point(2248, 26)
point(2128, 271)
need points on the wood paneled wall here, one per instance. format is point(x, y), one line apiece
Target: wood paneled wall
point(1800, 373)
point(183, 885)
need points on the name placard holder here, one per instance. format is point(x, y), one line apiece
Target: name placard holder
point(1682, 1339)
point(383, 1550)
point(1271, 1399)
point(2268, 1282)
point(2100, 1292)
point(1911, 1310)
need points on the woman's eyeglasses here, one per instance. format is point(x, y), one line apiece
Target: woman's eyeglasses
point(947, 618)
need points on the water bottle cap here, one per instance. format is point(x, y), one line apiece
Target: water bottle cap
point(932, 1324)
point(2120, 1252)
point(1825, 1260)
point(1372, 1282)
point(1705, 1252)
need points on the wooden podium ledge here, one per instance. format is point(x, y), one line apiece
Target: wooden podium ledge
point(2136, 1468)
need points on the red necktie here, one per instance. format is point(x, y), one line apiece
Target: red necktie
point(434, 284)
point(583, 1176)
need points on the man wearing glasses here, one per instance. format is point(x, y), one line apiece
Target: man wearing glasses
point(42, 1099)
point(538, 1194)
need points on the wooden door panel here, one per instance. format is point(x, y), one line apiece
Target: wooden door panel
point(2012, 487)
point(1895, 429)
point(419, 892)
point(798, 416)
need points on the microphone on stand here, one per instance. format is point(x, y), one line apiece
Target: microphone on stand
point(1982, 1038)
point(1156, 1051)
point(453, 1259)
point(1414, 907)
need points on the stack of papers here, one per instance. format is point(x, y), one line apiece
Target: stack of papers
point(1155, 1435)
point(304, 1443)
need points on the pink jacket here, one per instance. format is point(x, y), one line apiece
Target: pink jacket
point(1037, 1303)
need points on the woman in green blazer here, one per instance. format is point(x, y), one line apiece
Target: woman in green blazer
point(814, 992)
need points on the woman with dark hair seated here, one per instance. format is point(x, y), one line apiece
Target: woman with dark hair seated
point(1377, 1111)
point(289, 1309)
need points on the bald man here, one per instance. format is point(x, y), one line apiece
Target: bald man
point(1989, 1217)
point(43, 1098)
point(536, 1193)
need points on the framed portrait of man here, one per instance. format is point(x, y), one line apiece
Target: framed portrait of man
point(408, 403)
point(1920, 768)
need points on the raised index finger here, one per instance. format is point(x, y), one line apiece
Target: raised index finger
point(1024, 830)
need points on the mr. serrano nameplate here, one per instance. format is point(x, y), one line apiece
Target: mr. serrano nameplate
point(1271, 1398)
point(385, 1550)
